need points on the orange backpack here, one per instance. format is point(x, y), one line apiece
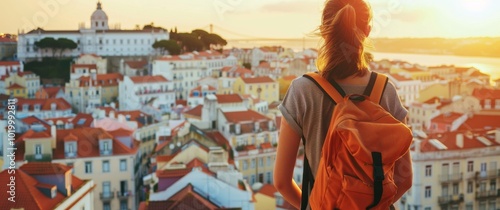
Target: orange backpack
point(363, 142)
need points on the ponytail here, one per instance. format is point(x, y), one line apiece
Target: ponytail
point(342, 53)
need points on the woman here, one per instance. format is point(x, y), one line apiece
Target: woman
point(307, 110)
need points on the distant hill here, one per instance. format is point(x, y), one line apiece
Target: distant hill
point(485, 47)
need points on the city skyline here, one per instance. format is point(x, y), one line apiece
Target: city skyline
point(295, 18)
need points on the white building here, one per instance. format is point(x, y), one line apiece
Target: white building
point(137, 91)
point(10, 67)
point(43, 108)
point(99, 39)
point(197, 94)
point(455, 170)
point(187, 69)
point(408, 89)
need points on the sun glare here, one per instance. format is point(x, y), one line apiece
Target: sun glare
point(476, 6)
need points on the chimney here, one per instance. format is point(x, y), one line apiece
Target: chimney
point(497, 135)
point(460, 140)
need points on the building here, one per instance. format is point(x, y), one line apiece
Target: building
point(265, 54)
point(20, 84)
point(50, 92)
point(185, 70)
point(92, 90)
point(197, 94)
point(10, 67)
point(134, 67)
point(447, 122)
point(264, 88)
point(100, 63)
point(455, 170)
point(93, 154)
point(228, 76)
point(264, 196)
point(408, 89)
point(254, 138)
point(100, 39)
point(46, 186)
point(43, 108)
point(137, 91)
point(8, 47)
point(489, 99)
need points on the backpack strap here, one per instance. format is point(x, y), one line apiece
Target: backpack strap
point(378, 178)
point(331, 89)
point(376, 87)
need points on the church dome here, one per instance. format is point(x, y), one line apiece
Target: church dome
point(99, 19)
point(99, 14)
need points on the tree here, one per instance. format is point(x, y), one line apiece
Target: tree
point(247, 65)
point(167, 45)
point(189, 42)
point(47, 43)
point(210, 41)
point(65, 44)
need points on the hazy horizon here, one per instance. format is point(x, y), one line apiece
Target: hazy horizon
point(234, 19)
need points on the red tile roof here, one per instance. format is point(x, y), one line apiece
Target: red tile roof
point(486, 93)
point(148, 79)
point(103, 80)
point(266, 145)
point(28, 196)
point(173, 173)
point(447, 118)
point(6, 39)
point(15, 86)
point(228, 98)
point(45, 104)
point(137, 64)
point(30, 134)
point(479, 74)
point(33, 120)
point(401, 78)
point(244, 116)
point(186, 198)
point(480, 121)
point(254, 80)
point(181, 102)
point(201, 88)
point(195, 112)
point(52, 91)
point(10, 63)
point(449, 139)
point(413, 69)
point(44, 168)
point(82, 120)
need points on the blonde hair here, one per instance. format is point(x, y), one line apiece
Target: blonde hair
point(343, 32)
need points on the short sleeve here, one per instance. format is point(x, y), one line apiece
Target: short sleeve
point(391, 101)
point(291, 105)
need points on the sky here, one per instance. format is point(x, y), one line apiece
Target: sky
point(235, 19)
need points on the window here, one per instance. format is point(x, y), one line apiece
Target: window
point(428, 170)
point(427, 191)
point(268, 161)
point(455, 189)
point(88, 167)
point(105, 166)
point(427, 208)
point(253, 163)
point(123, 165)
point(252, 179)
point(470, 166)
point(470, 188)
point(124, 205)
point(245, 164)
point(483, 167)
point(106, 206)
point(261, 162)
point(38, 149)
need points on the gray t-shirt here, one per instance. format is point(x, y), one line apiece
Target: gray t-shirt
point(308, 111)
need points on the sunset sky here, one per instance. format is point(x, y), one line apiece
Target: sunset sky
point(259, 18)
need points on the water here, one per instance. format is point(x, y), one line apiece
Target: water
point(486, 65)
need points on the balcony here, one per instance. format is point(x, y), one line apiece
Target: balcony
point(451, 178)
point(107, 196)
point(450, 199)
point(123, 195)
point(486, 194)
point(151, 92)
point(483, 175)
point(39, 158)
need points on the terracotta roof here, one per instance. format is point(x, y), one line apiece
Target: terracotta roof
point(413, 69)
point(202, 88)
point(10, 63)
point(30, 134)
point(104, 80)
point(45, 104)
point(289, 77)
point(44, 168)
point(173, 173)
point(137, 64)
point(446, 118)
point(186, 198)
point(268, 190)
point(148, 79)
point(28, 196)
point(244, 116)
point(51, 91)
point(15, 86)
point(196, 111)
point(70, 137)
point(165, 158)
point(33, 120)
point(181, 102)
point(401, 78)
point(485, 93)
point(479, 74)
point(266, 145)
point(254, 80)
point(82, 120)
point(462, 69)
point(481, 121)
point(121, 132)
point(228, 98)
point(5, 39)
point(449, 140)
